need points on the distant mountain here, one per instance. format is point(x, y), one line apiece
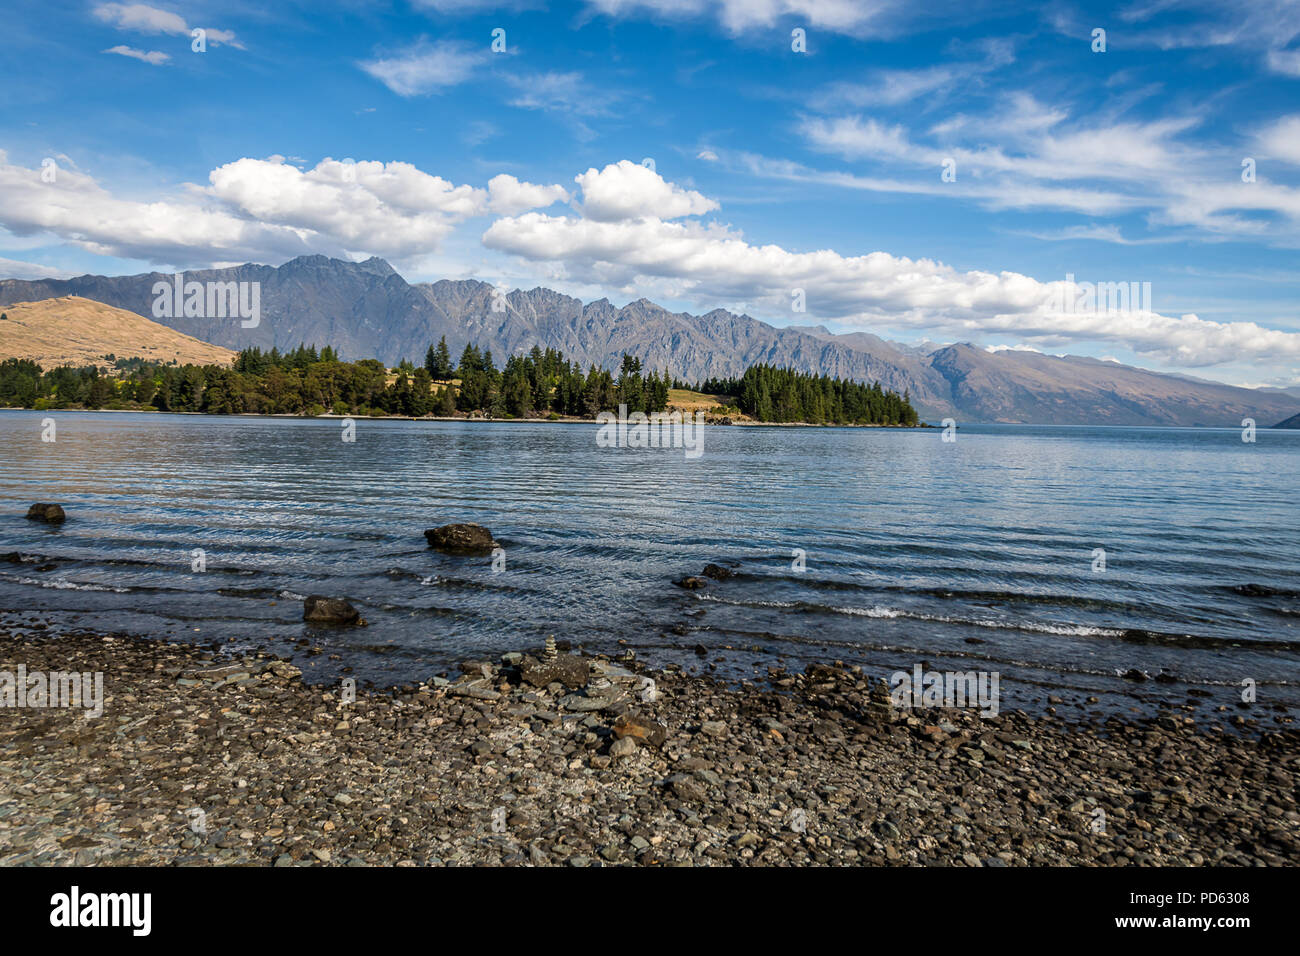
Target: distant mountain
point(1293, 390)
point(77, 331)
point(1292, 422)
point(365, 309)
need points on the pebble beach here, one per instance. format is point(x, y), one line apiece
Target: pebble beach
point(551, 757)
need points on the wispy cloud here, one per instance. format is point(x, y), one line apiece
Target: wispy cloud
point(148, 56)
point(142, 18)
point(899, 86)
point(1030, 155)
point(426, 67)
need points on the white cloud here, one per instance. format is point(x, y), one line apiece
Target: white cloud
point(1282, 139)
point(896, 87)
point(1264, 27)
point(151, 56)
point(260, 209)
point(628, 190)
point(507, 196)
point(854, 17)
point(623, 245)
point(1286, 62)
point(425, 67)
point(475, 6)
point(1031, 156)
point(142, 18)
point(708, 155)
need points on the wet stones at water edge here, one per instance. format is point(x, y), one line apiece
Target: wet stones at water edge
point(319, 609)
point(466, 538)
point(691, 582)
point(49, 513)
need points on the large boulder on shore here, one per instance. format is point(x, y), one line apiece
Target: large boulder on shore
point(641, 728)
point(327, 610)
point(571, 670)
point(49, 513)
point(461, 538)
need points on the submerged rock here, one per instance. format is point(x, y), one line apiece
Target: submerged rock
point(461, 538)
point(49, 513)
point(691, 583)
point(717, 572)
point(327, 610)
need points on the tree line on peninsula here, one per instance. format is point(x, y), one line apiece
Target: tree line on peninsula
point(541, 383)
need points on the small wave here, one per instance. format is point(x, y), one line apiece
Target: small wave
point(64, 585)
point(890, 613)
point(714, 597)
point(877, 611)
point(292, 596)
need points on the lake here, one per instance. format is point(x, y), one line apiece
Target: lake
point(877, 547)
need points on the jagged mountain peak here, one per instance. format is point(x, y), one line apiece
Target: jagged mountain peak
point(366, 309)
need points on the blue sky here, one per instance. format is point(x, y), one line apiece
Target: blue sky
point(686, 152)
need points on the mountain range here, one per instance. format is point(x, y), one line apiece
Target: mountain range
point(366, 310)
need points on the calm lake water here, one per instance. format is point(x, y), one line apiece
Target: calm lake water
point(976, 554)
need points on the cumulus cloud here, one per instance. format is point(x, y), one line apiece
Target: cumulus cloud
point(507, 196)
point(150, 56)
point(261, 209)
point(628, 190)
point(623, 243)
point(425, 67)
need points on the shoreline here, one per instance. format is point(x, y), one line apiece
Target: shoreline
point(562, 420)
point(520, 761)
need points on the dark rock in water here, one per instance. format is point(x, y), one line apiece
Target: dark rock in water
point(691, 583)
point(1163, 678)
point(327, 610)
point(701, 650)
point(12, 557)
point(717, 572)
point(568, 669)
point(1134, 674)
point(461, 538)
point(1256, 590)
point(49, 513)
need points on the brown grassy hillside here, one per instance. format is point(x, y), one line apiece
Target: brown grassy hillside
point(76, 331)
